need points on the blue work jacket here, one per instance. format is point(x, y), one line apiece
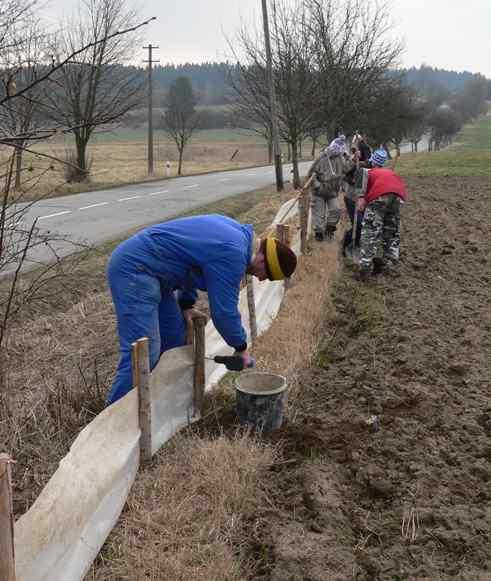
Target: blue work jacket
point(209, 252)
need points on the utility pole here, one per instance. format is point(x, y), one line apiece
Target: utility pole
point(150, 107)
point(272, 102)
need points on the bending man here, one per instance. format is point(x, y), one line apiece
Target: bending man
point(154, 277)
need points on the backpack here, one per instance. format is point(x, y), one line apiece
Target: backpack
point(329, 173)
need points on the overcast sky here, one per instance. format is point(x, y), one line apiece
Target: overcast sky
point(450, 34)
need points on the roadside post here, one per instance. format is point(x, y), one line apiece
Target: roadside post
point(7, 560)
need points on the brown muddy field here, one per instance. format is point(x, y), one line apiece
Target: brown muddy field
point(410, 501)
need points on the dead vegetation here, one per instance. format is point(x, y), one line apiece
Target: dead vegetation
point(287, 348)
point(122, 162)
point(61, 354)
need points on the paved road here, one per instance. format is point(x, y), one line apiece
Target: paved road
point(95, 217)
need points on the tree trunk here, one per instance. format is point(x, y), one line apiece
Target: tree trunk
point(289, 151)
point(81, 175)
point(296, 173)
point(270, 151)
point(179, 165)
point(300, 153)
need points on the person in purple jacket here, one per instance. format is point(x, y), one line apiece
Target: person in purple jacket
point(154, 277)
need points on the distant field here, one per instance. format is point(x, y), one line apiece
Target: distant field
point(201, 136)
point(476, 136)
point(470, 155)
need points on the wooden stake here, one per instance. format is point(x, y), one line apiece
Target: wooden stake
point(199, 323)
point(140, 360)
point(304, 206)
point(283, 235)
point(251, 304)
point(7, 561)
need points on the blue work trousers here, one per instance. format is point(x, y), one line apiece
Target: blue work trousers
point(144, 308)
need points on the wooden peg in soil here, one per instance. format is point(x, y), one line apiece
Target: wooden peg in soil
point(284, 236)
point(199, 324)
point(251, 304)
point(140, 359)
point(7, 560)
point(304, 208)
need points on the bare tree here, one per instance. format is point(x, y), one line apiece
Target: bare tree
point(250, 99)
point(20, 237)
point(180, 119)
point(293, 76)
point(94, 89)
point(353, 53)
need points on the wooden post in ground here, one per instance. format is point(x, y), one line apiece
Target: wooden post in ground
point(283, 235)
point(199, 324)
point(251, 304)
point(304, 208)
point(7, 561)
point(140, 360)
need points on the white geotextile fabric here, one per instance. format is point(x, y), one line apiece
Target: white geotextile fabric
point(64, 530)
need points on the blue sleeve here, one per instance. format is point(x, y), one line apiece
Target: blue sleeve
point(223, 279)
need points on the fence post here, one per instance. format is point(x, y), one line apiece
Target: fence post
point(283, 235)
point(199, 379)
point(304, 204)
point(7, 561)
point(140, 360)
point(251, 304)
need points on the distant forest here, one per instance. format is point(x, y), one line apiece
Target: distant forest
point(209, 80)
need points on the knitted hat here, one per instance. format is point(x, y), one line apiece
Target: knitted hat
point(379, 157)
point(280, 259)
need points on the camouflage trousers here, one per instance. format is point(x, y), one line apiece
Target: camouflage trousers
point(381, 231)
point(326, 213)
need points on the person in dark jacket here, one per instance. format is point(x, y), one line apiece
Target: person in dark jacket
point(154, 277)
point(365, 151)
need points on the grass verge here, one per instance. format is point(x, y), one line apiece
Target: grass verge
point(62, 352)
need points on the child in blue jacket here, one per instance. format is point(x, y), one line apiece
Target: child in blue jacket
point(155, 274)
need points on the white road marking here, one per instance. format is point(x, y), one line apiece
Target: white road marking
point(130, 198)
point(94, 205)
point(53, 215)
point(158, 193)
point(189, 187)
point(224, 180)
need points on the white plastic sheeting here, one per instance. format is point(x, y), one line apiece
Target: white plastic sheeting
point(62, 533)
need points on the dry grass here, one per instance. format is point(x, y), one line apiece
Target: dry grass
point(191, 515)
point(61, 355)
point(290, 345)
point(185, 517)
point(122, 162)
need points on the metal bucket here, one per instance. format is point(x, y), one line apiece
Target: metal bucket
point(260, 399)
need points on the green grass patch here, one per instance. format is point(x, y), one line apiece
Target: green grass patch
point(476, 135)
point(470, 155)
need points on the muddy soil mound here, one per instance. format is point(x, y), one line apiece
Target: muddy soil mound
point(406, 495)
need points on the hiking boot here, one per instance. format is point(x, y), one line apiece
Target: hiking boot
point(319, 236)
point(378, 265)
